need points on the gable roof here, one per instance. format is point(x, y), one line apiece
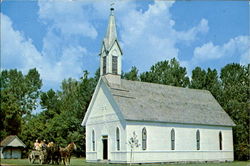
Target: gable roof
point(141, 101)
point(9, 139)
point(108, 48)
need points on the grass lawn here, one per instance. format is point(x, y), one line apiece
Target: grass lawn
point(81, 162)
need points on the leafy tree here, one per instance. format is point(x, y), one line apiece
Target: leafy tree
point(19, 94)
point(10, 115)
point(97, 75)
point(33, 128)
point(63, 112)
point(232, 92)
point(33, 84)
point(50, 103)
point(235, 100)
point(208, 80)
point(168, 73)
point(213, 83)
point(131, 75)
point(75, 98)
point(198, 80)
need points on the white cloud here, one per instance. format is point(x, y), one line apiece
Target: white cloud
point(62, 54)
point(146, 36)
point(16, 50)
point(245, 58)
point(19, 52)
point(238, 46)
point(70, 18)
point(191, 34)
point(68, 65)
point(151, 36)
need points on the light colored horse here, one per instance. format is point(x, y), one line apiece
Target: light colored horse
point(66, 153)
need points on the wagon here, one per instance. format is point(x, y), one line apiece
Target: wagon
point(36, 155)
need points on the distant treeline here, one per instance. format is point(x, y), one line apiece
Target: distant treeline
point(63, 110)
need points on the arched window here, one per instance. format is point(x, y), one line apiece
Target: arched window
point(172, 139)
point(117, 138)
point(114, 64)
point(144, 139)
point(93, 140)
point(198, 139)
point(220, 140)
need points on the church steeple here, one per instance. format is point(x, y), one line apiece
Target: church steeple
point(111, 34)
point(111, 53)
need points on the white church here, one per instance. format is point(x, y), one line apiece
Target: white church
point(172, 124)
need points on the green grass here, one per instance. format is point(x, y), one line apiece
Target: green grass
point(82, 162)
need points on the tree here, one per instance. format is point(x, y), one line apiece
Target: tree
point(168, 73)
point(33, 84)
point(133, 143)
point(235, 101)
point(198, 80)
point(132, 74)
point(50, 103)
point(97, 75)
point(75, 98)
point(19, 94)
point(10, 115)
point(213, 83)
point(34, 128)
point(63, 112)
point(207, 80)
point(232, 92)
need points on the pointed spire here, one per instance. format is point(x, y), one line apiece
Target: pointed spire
point(111, 53)
point(111, 34)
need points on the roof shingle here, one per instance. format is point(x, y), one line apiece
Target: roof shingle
point(9, 139)
point(143, 101)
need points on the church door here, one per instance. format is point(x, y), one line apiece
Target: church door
point(105, 148)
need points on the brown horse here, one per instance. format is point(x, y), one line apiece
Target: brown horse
point(66, 153)
point(53, 153)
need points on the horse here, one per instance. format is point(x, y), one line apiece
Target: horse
point(53, 153)
point(66, 153)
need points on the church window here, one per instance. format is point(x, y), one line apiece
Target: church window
point(172, 139)
point(104, 65)
point(114, 64)
point(220, 140)
point(198, 139)
point(117, 138)
point(144, 139)
point(93, 140)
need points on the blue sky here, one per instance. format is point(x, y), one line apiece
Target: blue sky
point(63, 38)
